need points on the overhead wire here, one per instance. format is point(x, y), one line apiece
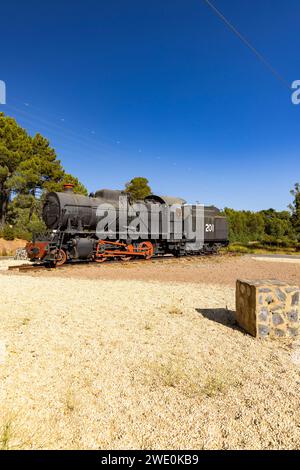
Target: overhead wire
point(247, 43)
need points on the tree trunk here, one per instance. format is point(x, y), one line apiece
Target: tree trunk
point(31, 210)
point(4, 197)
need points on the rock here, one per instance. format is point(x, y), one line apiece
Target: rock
point(293, 316)
point(264, 314)
point(293, 331)
point(288, 290)
point(263, 330)
point(21, 254)
point(268, 308)
point(279, 333)
point(281, 296)
point(277, 319)
point(295, 299)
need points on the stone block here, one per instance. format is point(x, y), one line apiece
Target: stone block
point(268, 308)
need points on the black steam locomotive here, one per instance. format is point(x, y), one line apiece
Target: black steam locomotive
point(73, 223)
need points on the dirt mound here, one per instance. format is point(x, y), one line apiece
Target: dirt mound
point(8, 248)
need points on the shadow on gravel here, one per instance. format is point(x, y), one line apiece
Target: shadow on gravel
point(220, 315)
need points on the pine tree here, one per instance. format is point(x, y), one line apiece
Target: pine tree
point(28, 169)
point(15, 147)
point(79, 188)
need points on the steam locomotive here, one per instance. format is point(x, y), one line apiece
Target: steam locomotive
point(73, 222)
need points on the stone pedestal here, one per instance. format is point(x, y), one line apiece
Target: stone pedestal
point(268, 308)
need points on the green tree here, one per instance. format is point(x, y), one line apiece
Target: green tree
point(246, 226)
point(39, 168)
point(138, 188)
point(8, 233)
point(28, 169)
point(278, 224)
point(32, 175)
point(79, 188)
point(15, 147)
point(295, 209)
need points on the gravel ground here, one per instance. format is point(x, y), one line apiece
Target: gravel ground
point(102, 364)
point(211, 270)
point(5, 263)
point(278, 260)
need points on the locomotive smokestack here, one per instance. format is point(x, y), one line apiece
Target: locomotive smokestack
point(68, 188)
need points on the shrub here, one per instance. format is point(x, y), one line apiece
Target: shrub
point(238, 248)
point(8, 233)
point(22, 233)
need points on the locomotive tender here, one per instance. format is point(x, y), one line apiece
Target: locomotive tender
point(73, 221)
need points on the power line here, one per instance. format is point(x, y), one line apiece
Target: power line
point(93, 149)
point(95, 144)
point(30, 107)
point(248, 44)
point(62, 130)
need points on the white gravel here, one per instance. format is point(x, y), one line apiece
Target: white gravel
point(127, 364)
point(276, 259)
point(5, 263)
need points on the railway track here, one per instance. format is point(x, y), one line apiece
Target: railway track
point(155, 259)
point(38, 267)
point(27, 267)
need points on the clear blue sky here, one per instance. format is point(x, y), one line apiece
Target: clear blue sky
point(160, 89)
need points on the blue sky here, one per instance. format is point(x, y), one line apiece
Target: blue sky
point(160, 89)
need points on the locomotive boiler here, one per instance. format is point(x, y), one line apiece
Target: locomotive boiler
point(108, 225)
